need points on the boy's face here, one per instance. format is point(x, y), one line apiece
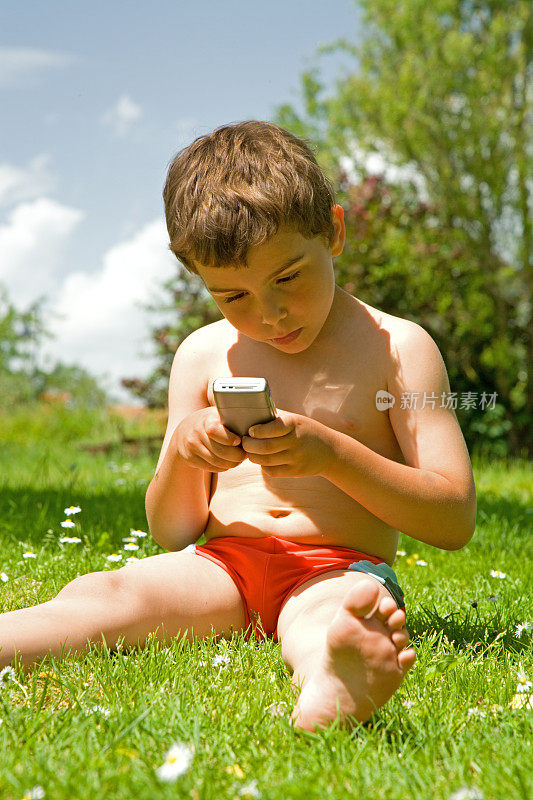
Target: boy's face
point(271, 297)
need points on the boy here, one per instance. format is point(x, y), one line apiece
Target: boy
point(301, 519)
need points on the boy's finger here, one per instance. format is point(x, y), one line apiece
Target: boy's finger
point(271, 445)
point(222, 435)
point(268, 429)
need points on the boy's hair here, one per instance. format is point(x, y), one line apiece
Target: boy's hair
point(233, 188)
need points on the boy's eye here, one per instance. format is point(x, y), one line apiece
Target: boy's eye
point(281, 280)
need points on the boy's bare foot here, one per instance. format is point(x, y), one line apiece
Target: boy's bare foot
point(363, 662)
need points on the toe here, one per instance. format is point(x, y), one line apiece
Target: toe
point(362, 598)
point(400, 639)
point(396, 621)
point(406, 659)
point(386, 608)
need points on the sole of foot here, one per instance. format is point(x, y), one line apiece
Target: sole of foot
point(363, 663)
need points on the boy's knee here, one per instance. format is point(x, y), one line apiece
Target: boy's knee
point(102, 585)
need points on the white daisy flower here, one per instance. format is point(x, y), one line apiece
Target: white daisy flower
point(7, 671)
point(99, 710)
point(37, 793)
point(71, 510)
point(495, 573)
point(137, 534)
point(177, 762)
point(250, 790)
point(114, 557)
point(408, 703)
point(70, 540)
point(3, 577)
point(128, 538)
point(220, 659)
point(131, 560)
point(475, 712)
point(277, 709)
point(524, 684)
point(400, 552)
point(421, 563)
point(29, 555)
point(68, 524)
point(464, 793)
point(518, 631)
point(131, 547)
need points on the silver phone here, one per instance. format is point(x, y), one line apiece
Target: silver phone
point(243, 402)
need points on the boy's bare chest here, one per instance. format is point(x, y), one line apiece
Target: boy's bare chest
point(336, 386)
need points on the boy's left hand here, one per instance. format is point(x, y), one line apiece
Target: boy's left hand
point(292, 446)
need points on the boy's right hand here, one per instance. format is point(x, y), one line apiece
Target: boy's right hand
point(204, 442)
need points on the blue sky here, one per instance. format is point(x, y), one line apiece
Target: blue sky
point(96, 99)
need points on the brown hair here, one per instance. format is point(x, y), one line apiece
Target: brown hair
point(233, 188)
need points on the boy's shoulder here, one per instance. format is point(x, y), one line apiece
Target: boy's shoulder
point(400, 332)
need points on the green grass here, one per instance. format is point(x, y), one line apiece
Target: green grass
point(425, 743)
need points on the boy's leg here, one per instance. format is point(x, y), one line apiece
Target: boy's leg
point(171, 592)
point(343, 637)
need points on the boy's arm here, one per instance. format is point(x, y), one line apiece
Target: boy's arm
point(177, 498)
point(432, 497)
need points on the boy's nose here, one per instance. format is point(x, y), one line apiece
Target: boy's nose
point(272, 311)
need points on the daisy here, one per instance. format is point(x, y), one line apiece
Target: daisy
point(70, 539)
point(9, 671)
point(422, 563)
point(177, 762)
point(277, 709)
point(114, 557)
point(250, 790)
point(524, 684)
point(137, 534)
point(37, 793)
point(71, 510)
point(475, 712)
point(29, 555)
point(495, 573)
point(220, 659)
point(520, 628)
point(128, 538)
point(99, 710)
point(400, 552)
point(3, 577)
point(131, 547)
point(68, 524)
point(464, 793)
point(131, 560)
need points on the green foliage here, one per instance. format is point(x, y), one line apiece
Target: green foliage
point(190, 306)
point(21, 380)
point(445, 89)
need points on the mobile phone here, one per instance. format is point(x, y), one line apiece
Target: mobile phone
point(243, 402)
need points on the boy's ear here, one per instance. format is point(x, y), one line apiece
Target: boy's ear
point(337, 215)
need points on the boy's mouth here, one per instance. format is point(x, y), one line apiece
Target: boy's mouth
point(290, 337)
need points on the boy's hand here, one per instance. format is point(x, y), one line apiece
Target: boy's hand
point(292, 446)
point(205, 443)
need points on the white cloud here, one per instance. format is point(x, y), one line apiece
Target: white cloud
point(31, 245)
point(18, 184)
point(99, 323)
point(21, 62)
point(122, 116)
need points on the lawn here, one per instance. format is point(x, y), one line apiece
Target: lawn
point(101, 724)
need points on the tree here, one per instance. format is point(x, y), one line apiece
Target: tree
point(21, 380)
point(446, 88)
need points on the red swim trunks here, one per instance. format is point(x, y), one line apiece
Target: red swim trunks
point(267, 569)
